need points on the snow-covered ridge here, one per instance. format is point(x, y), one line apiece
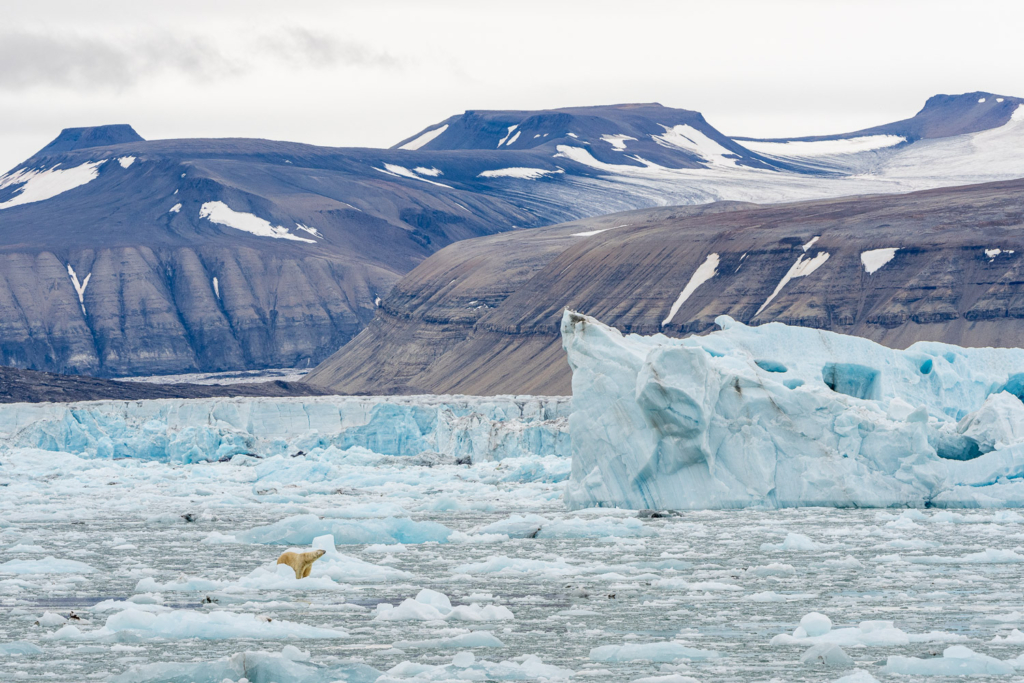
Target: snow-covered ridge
point(196, 430)
point(778, 416)
point(39, 185)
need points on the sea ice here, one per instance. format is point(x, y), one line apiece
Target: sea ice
point(778, 416)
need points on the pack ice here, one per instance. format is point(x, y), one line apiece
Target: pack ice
point(777, 416)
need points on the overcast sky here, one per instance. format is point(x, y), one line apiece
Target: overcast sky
point(371, 73)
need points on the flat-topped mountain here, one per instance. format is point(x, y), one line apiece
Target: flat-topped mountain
point(126, 256)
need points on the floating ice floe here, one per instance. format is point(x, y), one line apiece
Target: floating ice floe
point(816, 628)
point(652, 652)
point(20, 647)
point(463, 640)
point(955, 661)
point(536, 526)
point(182, 624)
point(430, 605)
point(47, 565)
point(778, 416)
point(288, 665)
point(465, 666)
point(303, 529)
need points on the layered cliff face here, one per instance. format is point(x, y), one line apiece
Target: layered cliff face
point(943, 265)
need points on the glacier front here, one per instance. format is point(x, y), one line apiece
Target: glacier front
point(466, 428)
point(777, 416)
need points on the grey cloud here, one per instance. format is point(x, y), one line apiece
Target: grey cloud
point(303, 47)
point(76, 61)
point(110, 62)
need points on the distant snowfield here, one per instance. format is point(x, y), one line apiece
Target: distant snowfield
point(803, 148)
point(222, 214)
point(872, 164)
point(40, 185)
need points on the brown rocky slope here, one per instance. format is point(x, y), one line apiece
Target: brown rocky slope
point(481, 316)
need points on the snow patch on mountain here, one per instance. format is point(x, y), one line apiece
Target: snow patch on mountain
point(519, 172)
point(876, 258)
point(222, 214)
point(126, 161)
point(801, 268)
point(618, 142)
point(39, 185)
point(704, 272)
point(403, 172)
point(689, 139)
point(79, 286)
point(424, 138)
point(510, 129)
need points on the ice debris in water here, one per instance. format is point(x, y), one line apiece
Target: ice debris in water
point(779, 416)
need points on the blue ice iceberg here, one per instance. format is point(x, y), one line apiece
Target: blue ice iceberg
point(778, 416)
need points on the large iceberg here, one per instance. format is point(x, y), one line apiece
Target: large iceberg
point(196, 430)
point(777, 416)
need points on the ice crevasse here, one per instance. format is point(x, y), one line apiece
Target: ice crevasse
point(778, 416)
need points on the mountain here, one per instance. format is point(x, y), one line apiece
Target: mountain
point(482, 316)
point(124, 256)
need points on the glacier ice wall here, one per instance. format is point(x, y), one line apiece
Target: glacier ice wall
point(777, 416)
point(193, 430)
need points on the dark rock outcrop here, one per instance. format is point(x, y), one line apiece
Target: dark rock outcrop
point(29, 386)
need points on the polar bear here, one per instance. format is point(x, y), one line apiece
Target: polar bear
point(302, 563)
